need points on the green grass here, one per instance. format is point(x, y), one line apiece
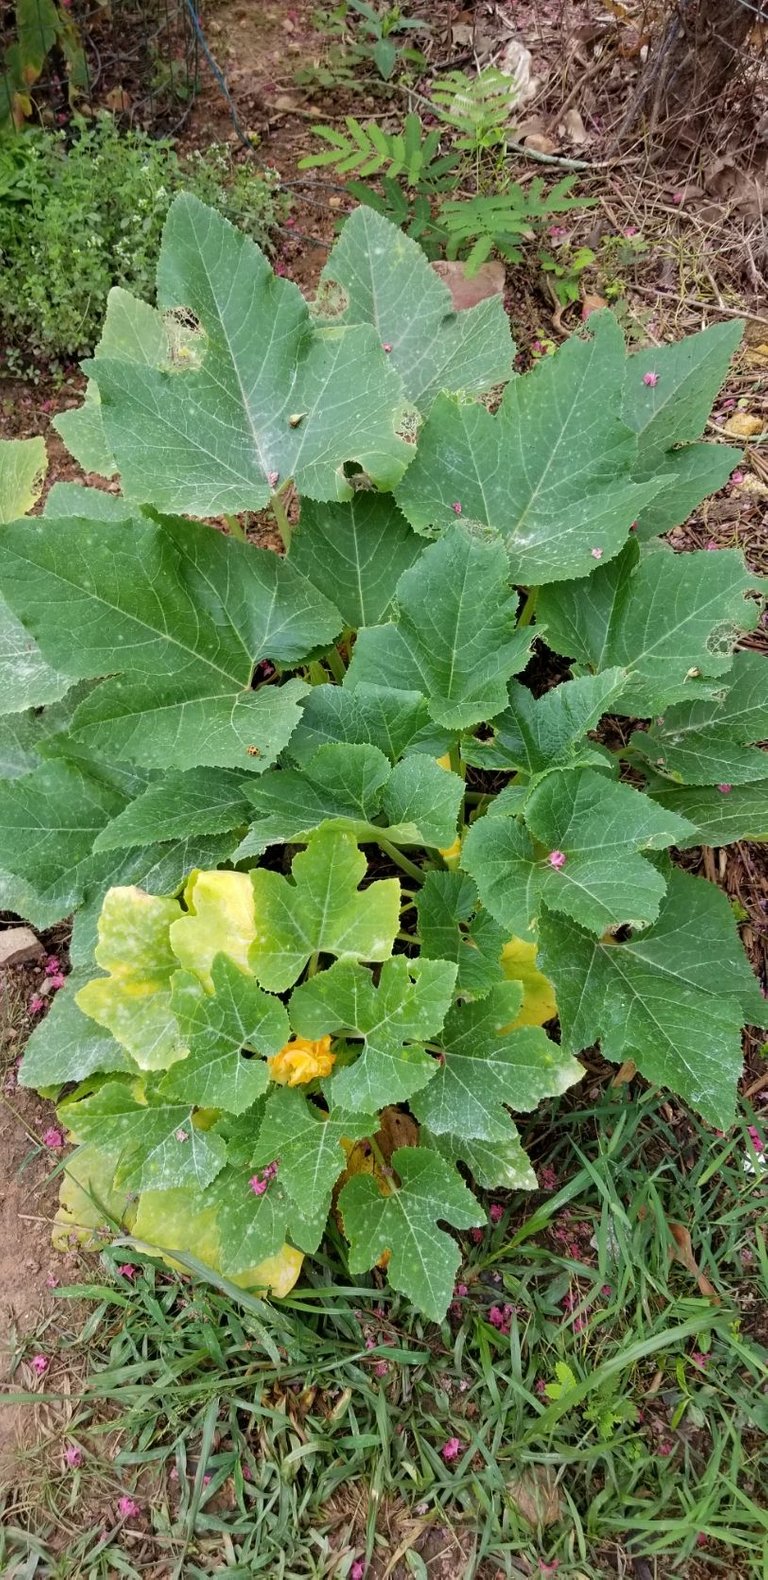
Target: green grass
point(627, 1404)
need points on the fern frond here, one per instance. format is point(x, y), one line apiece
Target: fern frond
point(366, 150)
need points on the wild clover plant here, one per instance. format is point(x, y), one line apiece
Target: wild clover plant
point(319, 814)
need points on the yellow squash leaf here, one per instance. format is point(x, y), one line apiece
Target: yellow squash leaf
point(88, 1199)
point(220, 920)
point(518, 960)
point(173, 1219)
point(134, 1000)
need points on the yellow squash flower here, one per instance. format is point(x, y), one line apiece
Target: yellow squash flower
point(302, 1060)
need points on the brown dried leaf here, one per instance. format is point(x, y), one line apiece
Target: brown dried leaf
point(489, 281)
point(683, 1252)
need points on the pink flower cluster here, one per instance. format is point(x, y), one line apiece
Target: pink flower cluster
point(55, 980)
point(259, 1182)
point(451, 1449)
point(500, 1318)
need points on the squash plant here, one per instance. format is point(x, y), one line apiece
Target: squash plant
point(320, 813)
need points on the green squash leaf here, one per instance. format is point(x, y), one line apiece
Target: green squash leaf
point(393, 1019)
point(455, 638)
point(493, 1164)
point(203, 801)
point(386, 280)
point(240, 1016)
point(599, 827)
point(669, 618)
point(68, 1045)
point(133, 332)
point(320, 910)
point(549, 472)
point(718, 816)
point(184, 613)
point(487, 1068)
point(158, 1145)
point(672, 998)
point(355, 554)
point(667, 415)
point(453, 926)
point(23, 464)
point(211, 432)
point(415, 803)
point(309, 1146)
point(533, 735)
point(424, 1258)
point(704, 743)
point(48, 822)
point(397, 722)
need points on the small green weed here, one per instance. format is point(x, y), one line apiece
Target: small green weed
point(79, 218)
point(583, 1399)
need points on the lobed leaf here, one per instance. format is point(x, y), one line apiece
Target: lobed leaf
point(424, 1258)
point(320, 910)
point(672, 998)
point(213, 430)
point(455, 638)
point(384, 279)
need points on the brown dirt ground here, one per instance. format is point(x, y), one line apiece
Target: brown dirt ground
point(704, 213)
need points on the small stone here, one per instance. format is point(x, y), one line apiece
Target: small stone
point(18, 945)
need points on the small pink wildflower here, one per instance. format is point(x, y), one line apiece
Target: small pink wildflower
point(597, 554)
point(52, 966)
point(607, 1291)
point(540, 1388)
point(665, 1448)
point(496, 1212)
point(712, 545)
point(206, 1481)
point(557, 858)
point(500, 1317)
point(630, 231)
point(258, 1185)
point(756, 1138)
point(40, 1364)
point(380, 1368)
point(127, 1269)
point(456, 507)
point(127, 1508)
point(547, 1178)
point(73, 1456)
point(702, 1539)
point(36, 1004)
point(57, 981)
point(477, 1235)
point(451, 1449)
point(579, 1324)
point(549, 1569)
point(725, 789)
point(700, 1359)
point(737, 477)
point(182, 1135)
point(51, 1281)
point(273, 478)
point(53, 1138)
point(460, 1291)
point(385, 346)
point(357, 1571)
point(370, 1343)
point(650, 380)
point(677, 197)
